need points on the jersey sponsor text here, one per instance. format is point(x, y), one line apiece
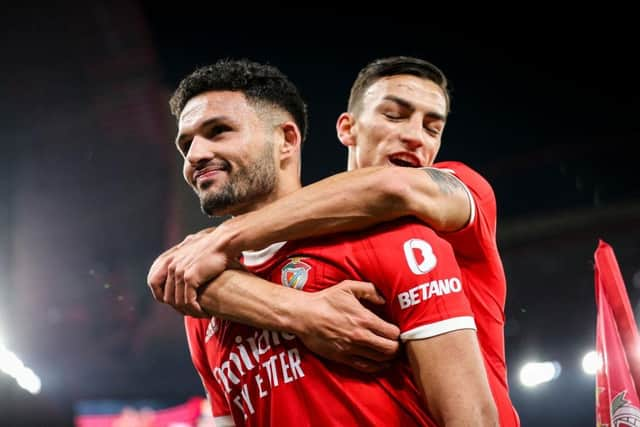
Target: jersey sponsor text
point(424, 291)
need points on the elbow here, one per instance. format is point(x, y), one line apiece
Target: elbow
point(481, 413)
point(409, 193)
point(394, 187)
point(488, 414)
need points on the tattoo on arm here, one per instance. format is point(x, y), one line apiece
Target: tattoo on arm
point(447, 183)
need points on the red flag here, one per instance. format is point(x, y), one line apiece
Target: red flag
point(618, 345)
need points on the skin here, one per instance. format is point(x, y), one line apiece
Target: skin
point(400, 116)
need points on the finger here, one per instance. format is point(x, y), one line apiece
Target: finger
point(158, 271)
point(156, 278)
point(363, 290)
point(157, 290)
point(190, 288)
point(169, 287)
point(179, 288)
point(194, 310)
point(381, 328)
point(374, 349)
point(204, 269)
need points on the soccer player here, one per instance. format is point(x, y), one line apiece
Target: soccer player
point(396, 116)
point(241, 125)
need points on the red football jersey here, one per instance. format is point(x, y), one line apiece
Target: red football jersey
point(260, 378)
point(477, 254)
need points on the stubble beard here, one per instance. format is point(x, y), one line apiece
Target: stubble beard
point(245, 186)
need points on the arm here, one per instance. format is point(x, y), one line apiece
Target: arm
point(331, 323)
point(351, 201)
point(449, 371)
point(423, 284)
point(346, 201)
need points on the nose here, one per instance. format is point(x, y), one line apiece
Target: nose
point(413, 134)
point(200, 151)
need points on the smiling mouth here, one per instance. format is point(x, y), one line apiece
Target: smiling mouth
point(209, 172)
point(405, 160)
point(404, 163)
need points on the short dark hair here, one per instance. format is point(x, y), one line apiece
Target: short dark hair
point(393, 66)
point(260, 83)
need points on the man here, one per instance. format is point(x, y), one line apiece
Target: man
point(241, 125)
point(393, 119)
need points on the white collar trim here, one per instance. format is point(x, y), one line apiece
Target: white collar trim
point(253, 258)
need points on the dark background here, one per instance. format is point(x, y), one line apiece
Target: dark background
point(545, 106)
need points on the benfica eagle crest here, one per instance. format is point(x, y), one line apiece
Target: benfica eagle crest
point(295, 273)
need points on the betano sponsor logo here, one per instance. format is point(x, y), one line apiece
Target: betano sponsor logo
point(426, 260)
point(427, 290)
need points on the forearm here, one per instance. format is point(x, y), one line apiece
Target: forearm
point(245, 298)
point(450, 374)
point(343, 202)
point(352, 201)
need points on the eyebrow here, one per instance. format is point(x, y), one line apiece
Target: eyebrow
point(212, 121)
point(409, 106)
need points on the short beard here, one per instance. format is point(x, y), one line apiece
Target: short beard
point(246, 185)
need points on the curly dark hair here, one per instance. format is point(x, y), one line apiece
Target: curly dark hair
point(260, 83)
point(393, 66)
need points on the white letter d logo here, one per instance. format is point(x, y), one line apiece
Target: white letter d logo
point(428, 258)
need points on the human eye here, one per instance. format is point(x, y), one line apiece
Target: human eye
point(392, 113)
point(433, 127)
point(432, 131)
point(218, 129)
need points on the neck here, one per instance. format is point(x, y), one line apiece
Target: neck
point(286, 184)
point(351, 162)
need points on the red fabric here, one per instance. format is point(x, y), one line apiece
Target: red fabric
point(617, 343)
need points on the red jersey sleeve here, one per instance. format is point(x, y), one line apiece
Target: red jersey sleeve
point(196, 333)
point(479, 235)
point(417, 273)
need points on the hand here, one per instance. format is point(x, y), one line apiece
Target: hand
point(176, 275)
point(338, 327)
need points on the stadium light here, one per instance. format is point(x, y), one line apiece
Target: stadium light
point(28, 380)
point(536, 373)
point(11, 365)
point(591, 363)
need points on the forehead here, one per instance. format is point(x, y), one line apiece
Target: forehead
point(422, 93)
point(215, 104)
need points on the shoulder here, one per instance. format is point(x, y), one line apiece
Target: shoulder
point(400, 237)
point(469, 176)
point(477, 186)
point(382, 239)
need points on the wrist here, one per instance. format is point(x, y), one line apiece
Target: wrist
point(288, 310)
point(227, 237)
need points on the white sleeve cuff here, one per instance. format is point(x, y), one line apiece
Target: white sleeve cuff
point(472, 202)
point(439, 328)
point(224, 421)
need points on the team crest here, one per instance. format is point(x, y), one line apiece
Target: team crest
point(623, 413)
point(295, 273)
